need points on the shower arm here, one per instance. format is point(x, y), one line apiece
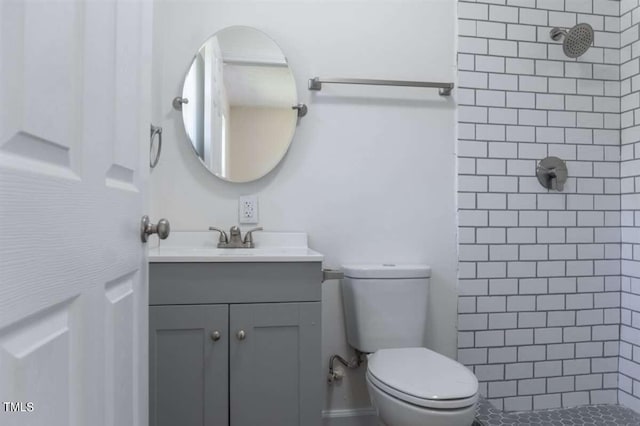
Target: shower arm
point(557, 33)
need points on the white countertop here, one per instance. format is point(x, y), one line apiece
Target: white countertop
point(187, 246)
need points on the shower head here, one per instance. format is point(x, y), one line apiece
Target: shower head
point(577, 40)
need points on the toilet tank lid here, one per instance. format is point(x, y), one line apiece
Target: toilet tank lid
point(386, 270)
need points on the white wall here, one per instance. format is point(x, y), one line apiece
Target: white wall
point(370, 175)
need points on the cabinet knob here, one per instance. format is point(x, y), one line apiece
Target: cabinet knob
point(215, 335)
point(241, 335)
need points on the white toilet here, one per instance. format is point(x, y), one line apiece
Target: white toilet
point(386, 310)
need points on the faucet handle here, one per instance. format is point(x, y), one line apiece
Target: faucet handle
point(223, 235)
point(248, 237)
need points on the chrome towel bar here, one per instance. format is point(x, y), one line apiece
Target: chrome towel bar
point(444, 88)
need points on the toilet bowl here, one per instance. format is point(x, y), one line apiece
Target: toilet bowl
point(386, 317)
point(416, 386)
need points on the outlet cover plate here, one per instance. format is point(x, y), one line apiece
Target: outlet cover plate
point(248, 209)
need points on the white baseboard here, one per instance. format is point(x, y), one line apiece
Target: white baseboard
point(355, 417)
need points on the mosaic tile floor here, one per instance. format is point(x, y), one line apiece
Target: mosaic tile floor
point(590, 415)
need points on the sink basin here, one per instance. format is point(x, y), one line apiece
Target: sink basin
point(202, 247)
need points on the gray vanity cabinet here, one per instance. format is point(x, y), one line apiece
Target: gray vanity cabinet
point(188, 370)
point(265, 369)
point(275, 366)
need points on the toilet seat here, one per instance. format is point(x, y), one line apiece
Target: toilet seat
point(422, 377)
point(446, 404)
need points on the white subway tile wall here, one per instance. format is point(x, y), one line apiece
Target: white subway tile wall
point(540, 271)
point(629, 357)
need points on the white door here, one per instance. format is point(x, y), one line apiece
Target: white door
point(74, 164)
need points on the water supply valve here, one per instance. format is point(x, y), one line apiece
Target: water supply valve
point(552, 173)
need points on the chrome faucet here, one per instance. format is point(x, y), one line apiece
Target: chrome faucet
point(235, 240)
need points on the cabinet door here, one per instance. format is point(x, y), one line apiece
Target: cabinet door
point(275, 370)
point(188, 370)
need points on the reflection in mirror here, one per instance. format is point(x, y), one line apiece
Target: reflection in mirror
point(239, 115)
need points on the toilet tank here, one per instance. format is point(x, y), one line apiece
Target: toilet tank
point(385, 305)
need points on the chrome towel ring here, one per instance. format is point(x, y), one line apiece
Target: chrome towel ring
point(155, 130)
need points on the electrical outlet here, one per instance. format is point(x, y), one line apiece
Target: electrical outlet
point(248, 209)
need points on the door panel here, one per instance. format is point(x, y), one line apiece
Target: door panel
point(42, 36)
point(124, 156)
point(73, 279)
point(120, 314)
point(38, 351)
point(275, 368)
point(188, 371)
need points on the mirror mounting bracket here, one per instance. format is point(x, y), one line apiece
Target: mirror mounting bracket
point(302, 110)
point(178, 101)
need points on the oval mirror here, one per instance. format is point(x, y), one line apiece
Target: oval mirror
point(238, 102)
